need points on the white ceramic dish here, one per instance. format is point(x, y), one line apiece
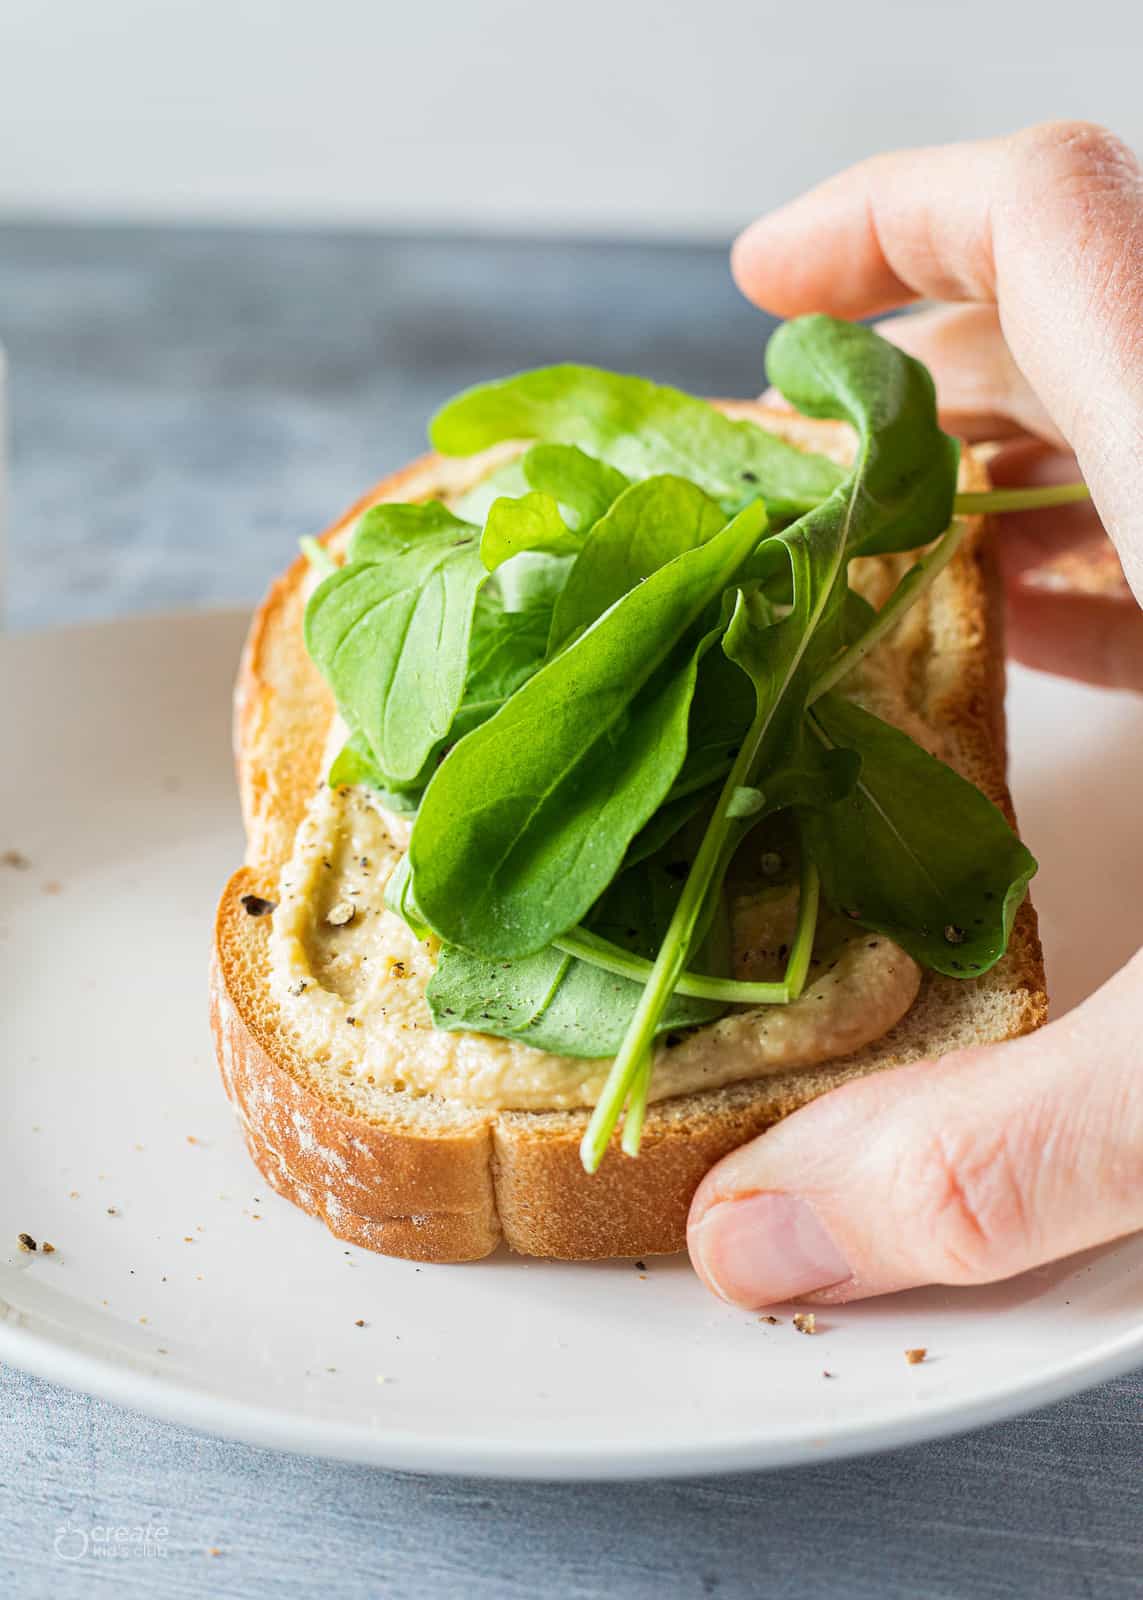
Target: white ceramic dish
point(183, 1287)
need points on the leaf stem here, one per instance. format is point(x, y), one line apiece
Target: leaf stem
point(797, 970)
point(907, 593)
point(809, 898)
point(317, 555)
point(636, 1110)
point(672, 958)
point(598, 952)
point(983, 502)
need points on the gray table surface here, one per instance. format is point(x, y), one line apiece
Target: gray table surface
point(184, 404)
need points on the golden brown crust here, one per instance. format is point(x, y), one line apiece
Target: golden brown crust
point(444, 1183)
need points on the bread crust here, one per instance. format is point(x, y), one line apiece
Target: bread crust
point(435, 1182)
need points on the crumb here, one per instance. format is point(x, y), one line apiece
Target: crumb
point(191, 1139)
point(298, 988)
point(53, 886)
point(915, 1357)
point(26, 1243)
point(73, 1194)
point(773, 1321)
point(16, 859)
point(256, 906)
point(826, 1374)
point(163, 1351)
point(48, 1249)
point(198, 1277)
point(113, 1211)
point(188, 1238)
point(360, 1323)
point(805, 1322)
point(214, 1551)
point(144, 1319)
point(140, 1147)
point(331, 1369)
point(640, 1266)
point(342, 914)
point(381, 1378)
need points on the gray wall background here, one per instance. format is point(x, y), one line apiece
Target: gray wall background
point(609, 116)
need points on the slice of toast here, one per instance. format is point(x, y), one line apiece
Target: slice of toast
point(436, 1181)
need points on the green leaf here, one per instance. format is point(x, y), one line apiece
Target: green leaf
point(354, 764)
point(390, 631)
point(506, 481)
point(506, 649)
point(649, 524)
point(554, 1002)
point(580, 482)
point(528, 819)
point(916, 852)
point(531, 523)
point(898, 493)
point(639, 427)
point(906, 473)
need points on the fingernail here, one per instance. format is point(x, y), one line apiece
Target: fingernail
point(766, 1248)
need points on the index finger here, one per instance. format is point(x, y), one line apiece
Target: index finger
point(1047, 223)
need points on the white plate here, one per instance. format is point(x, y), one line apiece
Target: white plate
point(181, 1286)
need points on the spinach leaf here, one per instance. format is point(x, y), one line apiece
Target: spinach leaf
point(533, 522)
point(552, 1001)
point(648, 525)
point(390, 631)
point(641, 428)
point(528, 819)
point(916, 852)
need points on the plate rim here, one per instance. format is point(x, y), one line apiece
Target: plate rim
point(206, 1410)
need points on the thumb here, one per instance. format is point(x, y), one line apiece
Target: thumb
point(958, 1171)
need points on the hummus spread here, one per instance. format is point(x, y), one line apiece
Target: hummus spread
point(350, 978)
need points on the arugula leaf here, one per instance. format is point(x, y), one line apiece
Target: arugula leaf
point(354, 764)
point(554, 1002)
point(641, 428)
point(648, 525)
point(916, 852)
point(840, 370)
point(908, 466)
point(507, 481)
point(390, 631)
point(507, 648)
point(533, 522)
point(576, 480)
point(528, 819)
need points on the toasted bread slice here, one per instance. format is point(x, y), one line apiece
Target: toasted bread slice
point(435, 1181)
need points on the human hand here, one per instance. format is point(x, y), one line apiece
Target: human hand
point(991, 1160)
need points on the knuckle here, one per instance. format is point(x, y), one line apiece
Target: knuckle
point(1077, 157)
point(970, 1205)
